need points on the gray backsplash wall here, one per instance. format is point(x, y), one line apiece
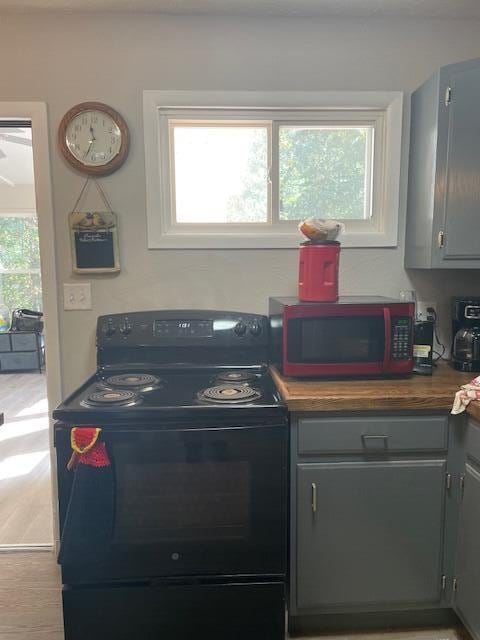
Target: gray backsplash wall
point(66, 59)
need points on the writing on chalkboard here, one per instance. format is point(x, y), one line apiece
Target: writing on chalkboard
point(94, 241)
point(88, 236)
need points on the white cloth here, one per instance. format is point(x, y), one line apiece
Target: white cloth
point(465, 395)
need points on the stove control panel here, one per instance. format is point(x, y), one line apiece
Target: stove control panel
point(182, 328)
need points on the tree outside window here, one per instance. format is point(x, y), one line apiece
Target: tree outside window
point(20, 281)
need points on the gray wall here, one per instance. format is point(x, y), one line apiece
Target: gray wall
point(67, 59)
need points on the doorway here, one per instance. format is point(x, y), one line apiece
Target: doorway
point(25, 470)
point(27, 281)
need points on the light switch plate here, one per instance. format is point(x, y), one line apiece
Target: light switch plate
point(77, 296)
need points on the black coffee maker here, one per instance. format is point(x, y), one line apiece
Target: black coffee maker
point(466, 334)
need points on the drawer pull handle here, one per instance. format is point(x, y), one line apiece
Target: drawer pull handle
point(314, 497)
point(374, 437)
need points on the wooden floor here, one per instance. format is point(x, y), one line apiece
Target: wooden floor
point(25, 481)
point(30, 597)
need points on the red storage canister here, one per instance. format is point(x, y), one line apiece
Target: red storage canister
point(318, 271)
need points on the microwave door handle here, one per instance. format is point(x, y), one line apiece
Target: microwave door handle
point(388, 338)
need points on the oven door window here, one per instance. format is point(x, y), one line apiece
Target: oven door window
point(202, 500)
point(336, 339)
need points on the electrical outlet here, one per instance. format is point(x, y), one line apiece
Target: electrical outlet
point(422, 313)
point(77, 296)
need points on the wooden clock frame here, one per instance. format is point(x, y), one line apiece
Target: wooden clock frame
point(116, 162)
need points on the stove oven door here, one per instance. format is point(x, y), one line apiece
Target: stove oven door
point(186, 502)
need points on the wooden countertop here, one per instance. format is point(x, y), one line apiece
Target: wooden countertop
point(434, 392)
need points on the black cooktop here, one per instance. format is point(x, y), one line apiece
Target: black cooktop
point(166, 365)
point(126, 395)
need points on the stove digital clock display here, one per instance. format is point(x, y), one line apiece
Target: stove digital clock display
point(183, 328)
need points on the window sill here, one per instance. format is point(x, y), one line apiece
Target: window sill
point(177, 240)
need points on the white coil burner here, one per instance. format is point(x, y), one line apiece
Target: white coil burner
point(224, 394)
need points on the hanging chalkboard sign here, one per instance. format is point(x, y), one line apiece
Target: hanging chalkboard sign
point(94, 238)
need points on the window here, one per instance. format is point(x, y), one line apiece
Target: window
point(219, 172)
point(230, 177)
point(325, 171)
point(20, 283)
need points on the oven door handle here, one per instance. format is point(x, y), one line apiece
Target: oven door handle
point(109, 434)
point(387, 323)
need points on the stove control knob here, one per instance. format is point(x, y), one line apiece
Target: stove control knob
point(240, 328)
point(109, 329)
point(255, 328)
point(125, 328)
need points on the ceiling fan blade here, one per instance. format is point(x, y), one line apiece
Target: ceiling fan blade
point(7, 181)
point(10, 130)
point(16, 139)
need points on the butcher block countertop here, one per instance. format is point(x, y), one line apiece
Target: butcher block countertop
point(420, 393)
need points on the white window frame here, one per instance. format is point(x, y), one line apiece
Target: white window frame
point(382, 109)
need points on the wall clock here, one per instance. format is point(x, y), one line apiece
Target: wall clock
point(94, 138)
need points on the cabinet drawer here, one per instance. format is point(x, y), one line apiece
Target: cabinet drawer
point(181, 612)
point(372, 434)
point(19, 361)
point(4, 342)
point(24, 341)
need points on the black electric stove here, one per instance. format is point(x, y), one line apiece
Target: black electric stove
point(185, 531)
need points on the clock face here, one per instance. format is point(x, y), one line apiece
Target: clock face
point(93, 138)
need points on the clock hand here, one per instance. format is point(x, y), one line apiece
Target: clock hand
point(91, 141)
point(88, 150)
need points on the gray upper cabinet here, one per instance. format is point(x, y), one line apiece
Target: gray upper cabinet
point(467, 596)
point(443, 211)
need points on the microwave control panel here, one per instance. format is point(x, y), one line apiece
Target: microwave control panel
point(401, 338)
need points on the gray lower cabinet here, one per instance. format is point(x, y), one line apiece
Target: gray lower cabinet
point(467, 595)
point(368, 511)
point(370, 533)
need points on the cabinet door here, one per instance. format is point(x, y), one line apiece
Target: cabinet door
point(462, 204)
point(467, 597)
point(369, 533)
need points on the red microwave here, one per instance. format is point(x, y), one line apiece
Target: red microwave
point(355, 336)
